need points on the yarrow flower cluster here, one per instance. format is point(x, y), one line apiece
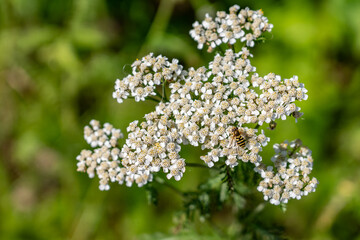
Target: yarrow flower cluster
point(152, 146)
point(246, 25)
point(290, 178)
point(104, 160)
point(147, 73)
point(204, 107)
point(205, 111)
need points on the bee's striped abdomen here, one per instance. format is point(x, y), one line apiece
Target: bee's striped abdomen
point(237, 135)
point(240, 141)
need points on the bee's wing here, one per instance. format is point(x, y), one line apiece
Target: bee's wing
point(231, 143)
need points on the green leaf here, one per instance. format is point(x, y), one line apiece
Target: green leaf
point(241, 188)
point(212, 183)
point(239, 200)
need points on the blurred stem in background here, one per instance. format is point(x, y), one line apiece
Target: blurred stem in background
point(158, 25)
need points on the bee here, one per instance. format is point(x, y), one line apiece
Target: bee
point(272, 125)
point(238, 136)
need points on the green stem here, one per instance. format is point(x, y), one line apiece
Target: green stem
point(159, 24)
point(229, 179)
point(158, 94)
point(293, 151)
point(148, 98)
point(153, 99)
point(199, 165)
point(163, 90)
point(196, 165)
point(221, 50)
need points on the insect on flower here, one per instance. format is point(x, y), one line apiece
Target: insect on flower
point(238, 136)
point(272, 125)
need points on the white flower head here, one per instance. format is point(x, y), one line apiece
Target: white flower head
point(146, 74)
point(103, 160)
point(246, 25)
point(290, 178)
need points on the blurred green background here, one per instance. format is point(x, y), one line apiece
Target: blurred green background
point(58, 63)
